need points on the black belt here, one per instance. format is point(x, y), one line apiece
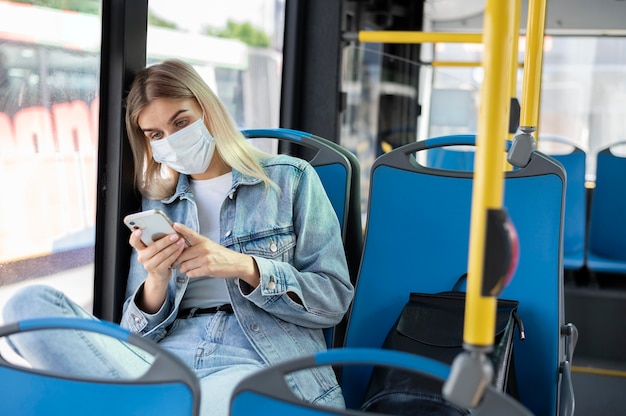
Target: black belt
point(191, 312)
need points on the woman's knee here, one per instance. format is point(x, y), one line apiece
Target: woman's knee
point(34, 301)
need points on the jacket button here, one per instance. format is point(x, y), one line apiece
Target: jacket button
point(136, 319)
point(254, 327)
point(228, 233)
point(231, 195)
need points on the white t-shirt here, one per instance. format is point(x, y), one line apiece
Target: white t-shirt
point(206, 292)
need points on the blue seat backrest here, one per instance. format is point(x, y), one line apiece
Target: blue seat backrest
point(607, 224)
point(331, 165)
point(339, 172)
point(168, 387)
point(573, 158)
point(450, 157)
point(417, 241)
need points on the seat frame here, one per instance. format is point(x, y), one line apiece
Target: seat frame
point(169, 386)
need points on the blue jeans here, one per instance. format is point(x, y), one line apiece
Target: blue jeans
point(211, 345)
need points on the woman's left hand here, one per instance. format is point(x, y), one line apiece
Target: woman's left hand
point(205, 257)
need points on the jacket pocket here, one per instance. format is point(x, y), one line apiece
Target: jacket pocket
point(273, 245)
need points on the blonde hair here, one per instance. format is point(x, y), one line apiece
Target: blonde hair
point(175, 79)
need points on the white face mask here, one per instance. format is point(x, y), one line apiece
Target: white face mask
point(187, 151)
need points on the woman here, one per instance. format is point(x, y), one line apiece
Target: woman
point(257, 268)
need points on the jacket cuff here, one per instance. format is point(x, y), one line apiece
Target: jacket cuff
point(138, 321)
point(272, 282)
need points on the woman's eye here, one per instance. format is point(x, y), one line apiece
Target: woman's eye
point(156, 136)
point(181, 123)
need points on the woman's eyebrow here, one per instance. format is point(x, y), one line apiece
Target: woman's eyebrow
point(170, 121)
point(176, 114)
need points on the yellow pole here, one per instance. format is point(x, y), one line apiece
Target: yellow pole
point(467, 64)
point(515, 51)
point(393, 36)
point(533, 61)
point(449, 64)
point(479, 325)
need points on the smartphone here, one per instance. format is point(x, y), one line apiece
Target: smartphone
point(154, 224)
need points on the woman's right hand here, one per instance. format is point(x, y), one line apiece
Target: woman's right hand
point(157, 259)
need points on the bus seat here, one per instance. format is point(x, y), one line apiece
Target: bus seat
point(452, 157)
point(339, 171)
point(168, 387)
point(416, 240)
point(267, 393)
point(606, 250)
point(573, 158)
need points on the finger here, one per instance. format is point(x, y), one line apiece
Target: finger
point(135, 239)
point(150, 251)
point(168, 256)
point(193, 268)
point(164, 258)
point(186, 265)
point(190, 235)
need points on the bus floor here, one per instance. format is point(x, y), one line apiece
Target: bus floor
point(598, 390)
point(597, 307)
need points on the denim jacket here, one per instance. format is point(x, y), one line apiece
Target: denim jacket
point(294, 236)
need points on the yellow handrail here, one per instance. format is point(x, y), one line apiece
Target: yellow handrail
point(533, 58)
point(474, 64)
point(407, 37)
point(514, 52)
point(487, 191)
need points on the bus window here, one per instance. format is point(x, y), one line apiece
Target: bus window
point(582, 90)
point(245, 77)
point(49, 81)
point(49, 109)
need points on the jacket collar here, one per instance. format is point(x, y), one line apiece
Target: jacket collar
point(183, 186)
